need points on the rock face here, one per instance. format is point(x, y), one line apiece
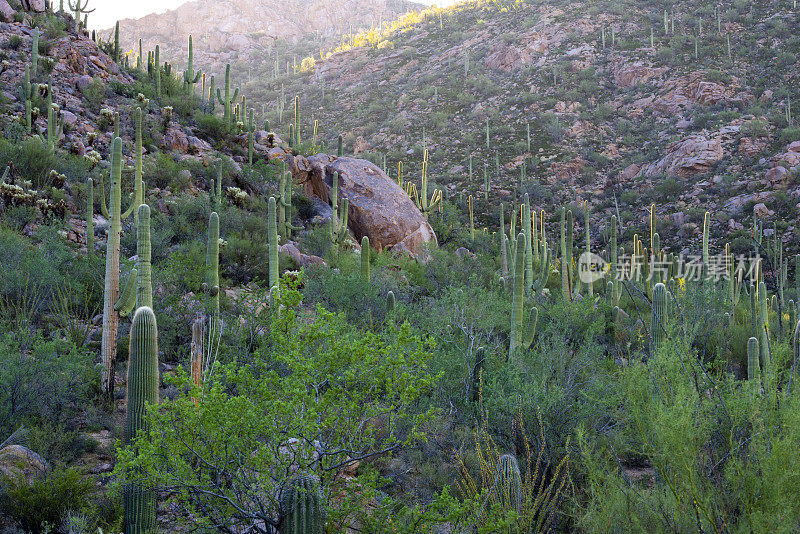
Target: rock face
point(18, 462)
point(690, 156)
point(221, 28)
point(379, 208)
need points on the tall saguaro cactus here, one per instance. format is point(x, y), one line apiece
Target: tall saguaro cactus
point(365, 258)
point(658, 317)
point(211, 285)
point(113, 212)
point(228, 101)
point(190, 77)
point(157, 71)
point(338, 223)
point(90, 217)
point(139, 501)
point(35, 52)
point(285, 226)
point(274, 272)
point(753, 369)
point(763, 324)
point(521, 337)
point(79, 10)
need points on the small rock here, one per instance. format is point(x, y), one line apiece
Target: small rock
point(83, 82)
point(761, 210)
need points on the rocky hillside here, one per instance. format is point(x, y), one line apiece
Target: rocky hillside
point(255, 32)
point(619, 103)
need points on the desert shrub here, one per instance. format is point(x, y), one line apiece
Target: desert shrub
point(213, 128)
point(32, 160)
point(45, 504)
point(162, 171)
point(95, 94)
point(716, 452)
point(42, 382)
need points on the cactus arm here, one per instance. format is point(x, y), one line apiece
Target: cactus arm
point(127, 299)
point(530, 331)
point(103, 205)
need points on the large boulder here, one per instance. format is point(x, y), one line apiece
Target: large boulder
point(17, 462)
point(6, 11)
point(379, 208)
point(36, 6)
point(688, 157)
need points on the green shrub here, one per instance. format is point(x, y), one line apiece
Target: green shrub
point(95, 94)
point(45, 504)
point(32, 160)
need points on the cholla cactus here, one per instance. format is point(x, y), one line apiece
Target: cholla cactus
point(236, 195)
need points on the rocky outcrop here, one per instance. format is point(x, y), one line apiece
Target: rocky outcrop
point(379, 208)
point(693, 155)
point(17, 462)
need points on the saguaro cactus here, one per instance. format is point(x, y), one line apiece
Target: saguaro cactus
point(285, 226)
point(250, 137)
point(391, 302)
point(211, 285)
point(26, 93)
point(508, 483)
point(108, 350)
point(190, 77)
point(436, 197)
point(274, 278)
point(229, 99)
point(302, 506)
point(753, 369)
point(338, 224)
point(763, 336)
point(35, 52)
point(144, 291)
point(90, 217)
point(658, 316)
point(116, 42)
point(503, 248)
point(365, 258)
point(140, 502)
point(157, 71)
point(520, 337)
point(78, 10)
